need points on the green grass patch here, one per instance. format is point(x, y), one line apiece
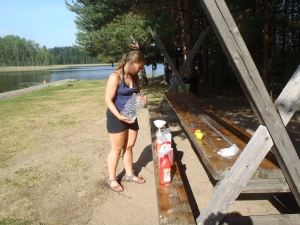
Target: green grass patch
point(26, 177)
point(9, 221)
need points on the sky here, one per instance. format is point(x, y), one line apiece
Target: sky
point(47, 22)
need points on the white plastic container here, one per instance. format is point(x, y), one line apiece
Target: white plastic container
point(168, 135)
point(166, 150)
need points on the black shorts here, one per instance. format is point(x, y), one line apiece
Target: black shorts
point(114, 125)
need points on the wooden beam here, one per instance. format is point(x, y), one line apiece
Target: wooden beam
point(166, 55)
point(289, 100)
point(249, 77)
point(266, 186)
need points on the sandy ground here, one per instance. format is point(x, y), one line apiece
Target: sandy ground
point(73, 191)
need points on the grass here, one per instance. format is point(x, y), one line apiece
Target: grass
point(27, 119)
point(24, 177)
point(24, 119)
point(10, 221)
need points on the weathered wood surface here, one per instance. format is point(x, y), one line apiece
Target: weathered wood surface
point(249, 77)
point(172, 201)
point(237, 178)
point(219, 133)
point(266, 186)
point(289, 100)
point(167, 57)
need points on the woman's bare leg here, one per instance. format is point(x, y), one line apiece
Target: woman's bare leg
point(127, 153)
point(118, 141)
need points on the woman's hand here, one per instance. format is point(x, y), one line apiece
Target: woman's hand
point(144, 99)
point(125, 119)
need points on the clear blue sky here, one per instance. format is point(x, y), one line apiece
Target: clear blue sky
point(48, 22)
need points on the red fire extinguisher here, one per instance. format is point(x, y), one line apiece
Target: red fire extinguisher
point(165, 170)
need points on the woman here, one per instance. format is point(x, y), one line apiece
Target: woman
point(121, 84)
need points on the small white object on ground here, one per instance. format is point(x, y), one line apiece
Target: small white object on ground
point(231, 151)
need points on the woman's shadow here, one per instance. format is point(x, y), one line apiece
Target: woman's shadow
point(143, 160)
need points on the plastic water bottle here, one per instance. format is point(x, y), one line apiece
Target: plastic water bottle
point(133, 106)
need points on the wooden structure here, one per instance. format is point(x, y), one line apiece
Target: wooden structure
point(172, 200)
point(270, 134)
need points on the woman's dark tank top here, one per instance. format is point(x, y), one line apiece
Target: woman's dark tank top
point(124, 93)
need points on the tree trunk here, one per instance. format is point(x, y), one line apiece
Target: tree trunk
point(189, 40)
point(266, 44)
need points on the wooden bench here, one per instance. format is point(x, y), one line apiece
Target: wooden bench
point(222, 133)
point(172, 200)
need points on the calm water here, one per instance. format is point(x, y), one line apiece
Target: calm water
point(10, 81)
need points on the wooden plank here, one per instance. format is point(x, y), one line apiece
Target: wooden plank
point(248, 75)
point(287, 219)
point(266, 186)
point(167, 57)
point(172, 201)
point(237, 178)
point(289, 100)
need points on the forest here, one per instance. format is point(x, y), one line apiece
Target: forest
point(270, 29)
point(16, 51)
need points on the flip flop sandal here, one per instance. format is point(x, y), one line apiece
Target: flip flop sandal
point(114, 188)
point(139, 180)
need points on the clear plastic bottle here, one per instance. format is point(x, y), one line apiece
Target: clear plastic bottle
point(133, 106)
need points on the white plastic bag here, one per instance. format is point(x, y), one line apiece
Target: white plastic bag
point(231, 151)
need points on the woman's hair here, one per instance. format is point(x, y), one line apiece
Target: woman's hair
point(135, 56)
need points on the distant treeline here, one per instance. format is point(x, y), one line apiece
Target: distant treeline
point(16, 51)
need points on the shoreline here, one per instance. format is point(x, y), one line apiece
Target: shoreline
point(34, 68)
point(16, 93)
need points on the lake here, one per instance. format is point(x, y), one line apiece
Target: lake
point(10, 81)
